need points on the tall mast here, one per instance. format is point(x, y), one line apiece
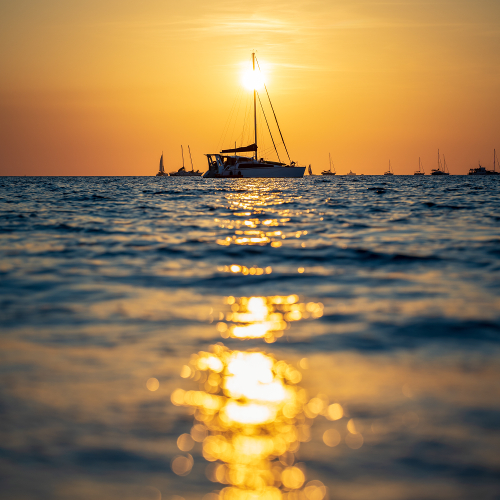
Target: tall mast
point(439, 165)
point(254, 105)
point(330, 161)
point(182, 153)
point(494, 161)
point(191, 158)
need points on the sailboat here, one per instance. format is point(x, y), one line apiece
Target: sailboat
point(162, 168)
point(225, 165)
point(309, 170)
point(482, 171)
point(182, 172)
point(420, 170)
point(438, 171)
point(389, 172)
point(329, 172)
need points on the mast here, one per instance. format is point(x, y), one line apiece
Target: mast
point(494, 161)
point(419, 163)
point(191, 158)
point(254, 106)
point(182, 153)
point(439, 165)
point(330, 160)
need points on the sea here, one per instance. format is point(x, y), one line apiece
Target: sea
point(325, 338)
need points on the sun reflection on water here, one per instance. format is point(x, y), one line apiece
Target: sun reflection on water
point(257, 216)
point(250, 412)
point(265, 317)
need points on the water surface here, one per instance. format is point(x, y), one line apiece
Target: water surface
point(382, 294)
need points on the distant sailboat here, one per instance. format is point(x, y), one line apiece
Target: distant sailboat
point(309, 170)
point(389, 172)
point(182, 172)
point(420, 170)
point(162, 168)
point(482, 171)
point(438, 171)
point(329, 172)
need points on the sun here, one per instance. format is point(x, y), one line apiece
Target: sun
point(252, 80)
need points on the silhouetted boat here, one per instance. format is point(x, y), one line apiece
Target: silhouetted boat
point(309, 170)
point(482, 171)
point(329, 172)
point(162, 168)
point(439, 171)
point(389, 172)
point(225, 165)
point(182, 172)
point(350, 173)
point(420, 170)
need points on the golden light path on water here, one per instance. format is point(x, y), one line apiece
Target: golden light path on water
point(250, 411)
point(251, 414)
point(255, 218)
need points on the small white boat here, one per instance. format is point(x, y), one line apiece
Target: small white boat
point(420, 170)
point(227, 165)
point(182, 172)
point(389, 172)
point(482, 171)
point(329, 172)
point(440, 170)
point(162, 168)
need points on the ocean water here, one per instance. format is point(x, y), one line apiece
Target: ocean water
point(321, 338)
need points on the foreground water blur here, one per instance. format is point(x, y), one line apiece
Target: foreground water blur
point(211, 339)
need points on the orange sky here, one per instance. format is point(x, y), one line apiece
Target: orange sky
point(102, 87)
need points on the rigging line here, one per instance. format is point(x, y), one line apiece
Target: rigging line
point(283, 140)
point(229, 120)
point(268, 128)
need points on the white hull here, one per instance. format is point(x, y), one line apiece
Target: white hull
point(260, 172)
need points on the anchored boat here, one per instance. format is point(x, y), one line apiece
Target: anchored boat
point(439, 171)
point(482, 171)
point(420, 170)
point(389, 172)
point(229, 164)
point(329, 172)
point(182, 172)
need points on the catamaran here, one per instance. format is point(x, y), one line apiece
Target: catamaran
point(329, 172)
point(420, 170)
point(482, 171)
point(228, 164)
point(162, 168)
point(182, 172)
point(438, 171)
point(389, 172)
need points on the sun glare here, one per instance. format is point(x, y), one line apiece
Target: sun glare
point(253, 79)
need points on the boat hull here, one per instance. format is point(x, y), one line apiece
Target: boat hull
point(258, 172)
point(487, 172)
point(185, 174)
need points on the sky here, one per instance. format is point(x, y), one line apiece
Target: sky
point(104, 87)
